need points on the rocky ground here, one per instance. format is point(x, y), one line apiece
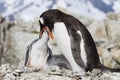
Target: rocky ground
point(16, 36)
point(9, 72)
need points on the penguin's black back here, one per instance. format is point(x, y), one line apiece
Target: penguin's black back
point(90, 47)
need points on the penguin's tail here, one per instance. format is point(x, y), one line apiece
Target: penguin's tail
point(104, 68)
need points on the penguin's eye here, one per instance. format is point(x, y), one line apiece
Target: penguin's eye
point(41, 20)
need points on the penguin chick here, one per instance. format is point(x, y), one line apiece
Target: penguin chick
point(40, 57)
point(60, 61)
point(37, 53)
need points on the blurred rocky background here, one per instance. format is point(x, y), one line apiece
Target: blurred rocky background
point(15, 36)
point(18, 29)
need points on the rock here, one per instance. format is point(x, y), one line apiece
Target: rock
point(112, 30)
point(10, 73)
point(5, 25)
point(98, 31)
point(110, 76)
point(19, 40)
point(113, 16)
point(6, 72)
point(6, 68)
point(107, 58)
point(43, 76)
point(2, 37)
point(96, 72)
point(1, 19)
point(29, 26)
point(110, 55)
point(115, 53)
point(9, 76)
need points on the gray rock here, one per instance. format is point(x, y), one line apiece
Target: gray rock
point(30, 26)
point(17, 43)
point(6, 71)
point(6, 68)
point(113, 16)
point(9, 76)
point(113, 30)
point(98, 31)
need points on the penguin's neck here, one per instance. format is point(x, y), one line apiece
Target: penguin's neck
point(44, 39)
point(42, 42)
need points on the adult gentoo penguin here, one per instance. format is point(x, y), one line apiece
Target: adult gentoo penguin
point(73, 39)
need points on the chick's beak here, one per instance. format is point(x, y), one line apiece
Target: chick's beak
point(41, 32)
point(44, 29)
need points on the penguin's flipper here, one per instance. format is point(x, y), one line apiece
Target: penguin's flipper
point(27, 57)
point(75, 39)
point(28, 51)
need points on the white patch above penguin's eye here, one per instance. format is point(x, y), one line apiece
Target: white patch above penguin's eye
point(41, 20)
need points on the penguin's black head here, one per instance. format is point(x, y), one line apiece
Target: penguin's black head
point(47, 20)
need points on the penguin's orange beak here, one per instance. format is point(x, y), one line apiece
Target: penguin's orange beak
point(44, 29)
point(51, 35)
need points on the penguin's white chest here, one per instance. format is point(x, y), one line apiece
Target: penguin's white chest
point(63, 41)
point(38, 56)
point(62, 38)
